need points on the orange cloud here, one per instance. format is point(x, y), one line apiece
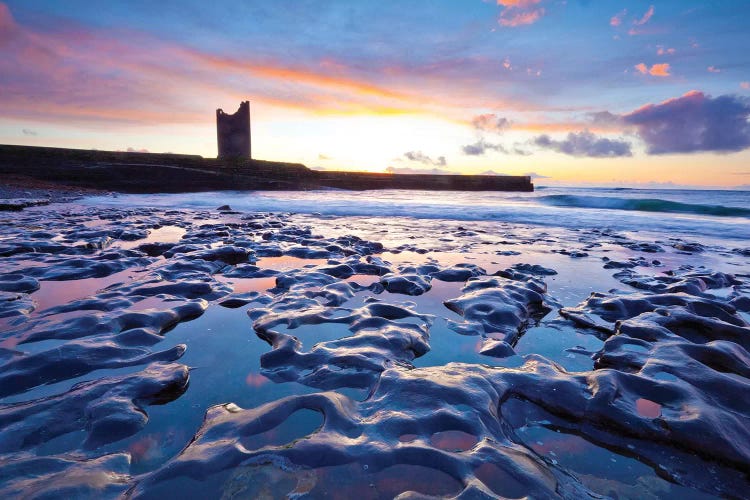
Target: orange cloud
point(655, 70)
point(646, 17)
point(76, 74)
point(521, 18)
point(659, 70)
point(522, 4)
point(692, 95)
point(520, 12)
point(616, 20)
point(745, 85)
point(69, 74)
point(665, 51)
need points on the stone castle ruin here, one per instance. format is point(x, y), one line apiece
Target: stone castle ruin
point(233, 133)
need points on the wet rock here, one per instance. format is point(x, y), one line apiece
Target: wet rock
point(18, 283)
point(458, 273)
point(625, 264)
point(155, 249)
point(15, 304)
point(376, 340)
point(64, 476)
point(602, 311)
point(228, 254)
point(184, 249)
point(689, 247)
point(497, 349)
point(575, 254)
point(499, 308)
point(408, 284)
point(690, 282)
point(241, 299)
point(341, 271)
point(107, 409)
point(436, 399)
point(520, 272)
point(74, 359)
point(642, 246)
point(20, 204)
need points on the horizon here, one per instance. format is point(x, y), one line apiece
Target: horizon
point(577, 93)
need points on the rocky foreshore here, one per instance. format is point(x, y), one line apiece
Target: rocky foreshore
point(148, 352)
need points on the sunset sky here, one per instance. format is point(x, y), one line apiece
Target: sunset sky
point(573, 91)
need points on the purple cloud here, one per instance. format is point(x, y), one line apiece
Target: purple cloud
point(490, 123)
point(420, 157)
point(586, 144)
point(420, 171)
point(481, 147)
point(692, 123)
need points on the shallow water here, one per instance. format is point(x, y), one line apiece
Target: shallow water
point(371, 355)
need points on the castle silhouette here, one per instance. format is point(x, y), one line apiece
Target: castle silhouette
point(233, 133)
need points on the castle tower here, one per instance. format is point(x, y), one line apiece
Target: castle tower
point(233, 132)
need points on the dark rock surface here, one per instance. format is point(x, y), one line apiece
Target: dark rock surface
point(378, 366)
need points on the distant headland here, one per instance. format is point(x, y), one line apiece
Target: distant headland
point(233, 169)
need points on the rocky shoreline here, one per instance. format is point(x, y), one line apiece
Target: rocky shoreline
point(148, 352)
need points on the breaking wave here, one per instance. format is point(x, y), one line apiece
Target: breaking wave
point(642, 205)
point(623, 213)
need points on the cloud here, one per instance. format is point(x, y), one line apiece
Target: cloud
point(490, 123)
point(420, 157)
point(692, 123)
point(713, 69)
point(585, 144)
point(616, 20)
point(655, 70)
point(133, 150)
point(76, 73)
point(646, 17)
point(520, 18)
point(420, 171)
point(27, 131)
point(481, 147)
point(660, 69)
point(7, 24)
point(520, 12)
point(323, 157)
point(638, 23)
point(662, 51)
point(605, 119)
point(745, 85)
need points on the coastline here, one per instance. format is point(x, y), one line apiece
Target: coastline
point(130, 172)
point(239, 350)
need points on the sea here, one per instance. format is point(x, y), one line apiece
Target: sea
point(706, 215)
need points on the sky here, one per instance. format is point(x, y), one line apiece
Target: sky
point(591, 92)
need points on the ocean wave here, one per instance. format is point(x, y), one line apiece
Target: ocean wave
point(642, 205)
point(510, 208)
